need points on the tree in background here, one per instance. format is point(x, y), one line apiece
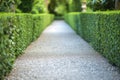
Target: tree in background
point(39, 6)
point(101, 5)
point(74, 6)
point(60, 7)
point(51, 6)
point(117, 4)
point(9, 5)
point(57, 7)
point(26, 6)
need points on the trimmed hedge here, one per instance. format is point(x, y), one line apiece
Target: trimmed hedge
point(17, 31)
point(101, 30)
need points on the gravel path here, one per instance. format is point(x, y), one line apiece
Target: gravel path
point(60, 54)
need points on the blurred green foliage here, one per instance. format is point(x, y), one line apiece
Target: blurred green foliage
point(74, 6)
point(26, 6)
point(57, 7)
point(9, 5)
point(102, 5)
point(60, 7)
point(39, 7)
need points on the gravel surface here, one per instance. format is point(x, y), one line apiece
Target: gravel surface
point(60, 54)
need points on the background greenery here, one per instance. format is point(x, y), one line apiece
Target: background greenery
point(103, 5)
point(26, 6)
point(9, 5)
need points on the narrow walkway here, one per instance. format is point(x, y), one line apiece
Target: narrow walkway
point(60, 54)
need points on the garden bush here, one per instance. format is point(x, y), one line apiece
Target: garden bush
point(101, 30)
point(26, 6)
point(74, 5)
point(9, 5)
point(17, 31)
point(38, 6)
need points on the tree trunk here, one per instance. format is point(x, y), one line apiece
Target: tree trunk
point(117, 4)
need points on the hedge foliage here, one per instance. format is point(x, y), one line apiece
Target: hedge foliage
point(101, 30)
point(26, 6)
point(9, 5)
point(74, 5)
point(38, 6)
point(102, 5)
point(17, 31)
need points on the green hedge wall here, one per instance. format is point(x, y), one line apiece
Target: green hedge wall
point(101, 30)
point(16, 33)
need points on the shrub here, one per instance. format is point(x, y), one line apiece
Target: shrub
point(9, 5)
point(101, 30)
point(26, 6)
point(74, 6)
point(102, 5)
point(16, 33)
point(39, 6)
